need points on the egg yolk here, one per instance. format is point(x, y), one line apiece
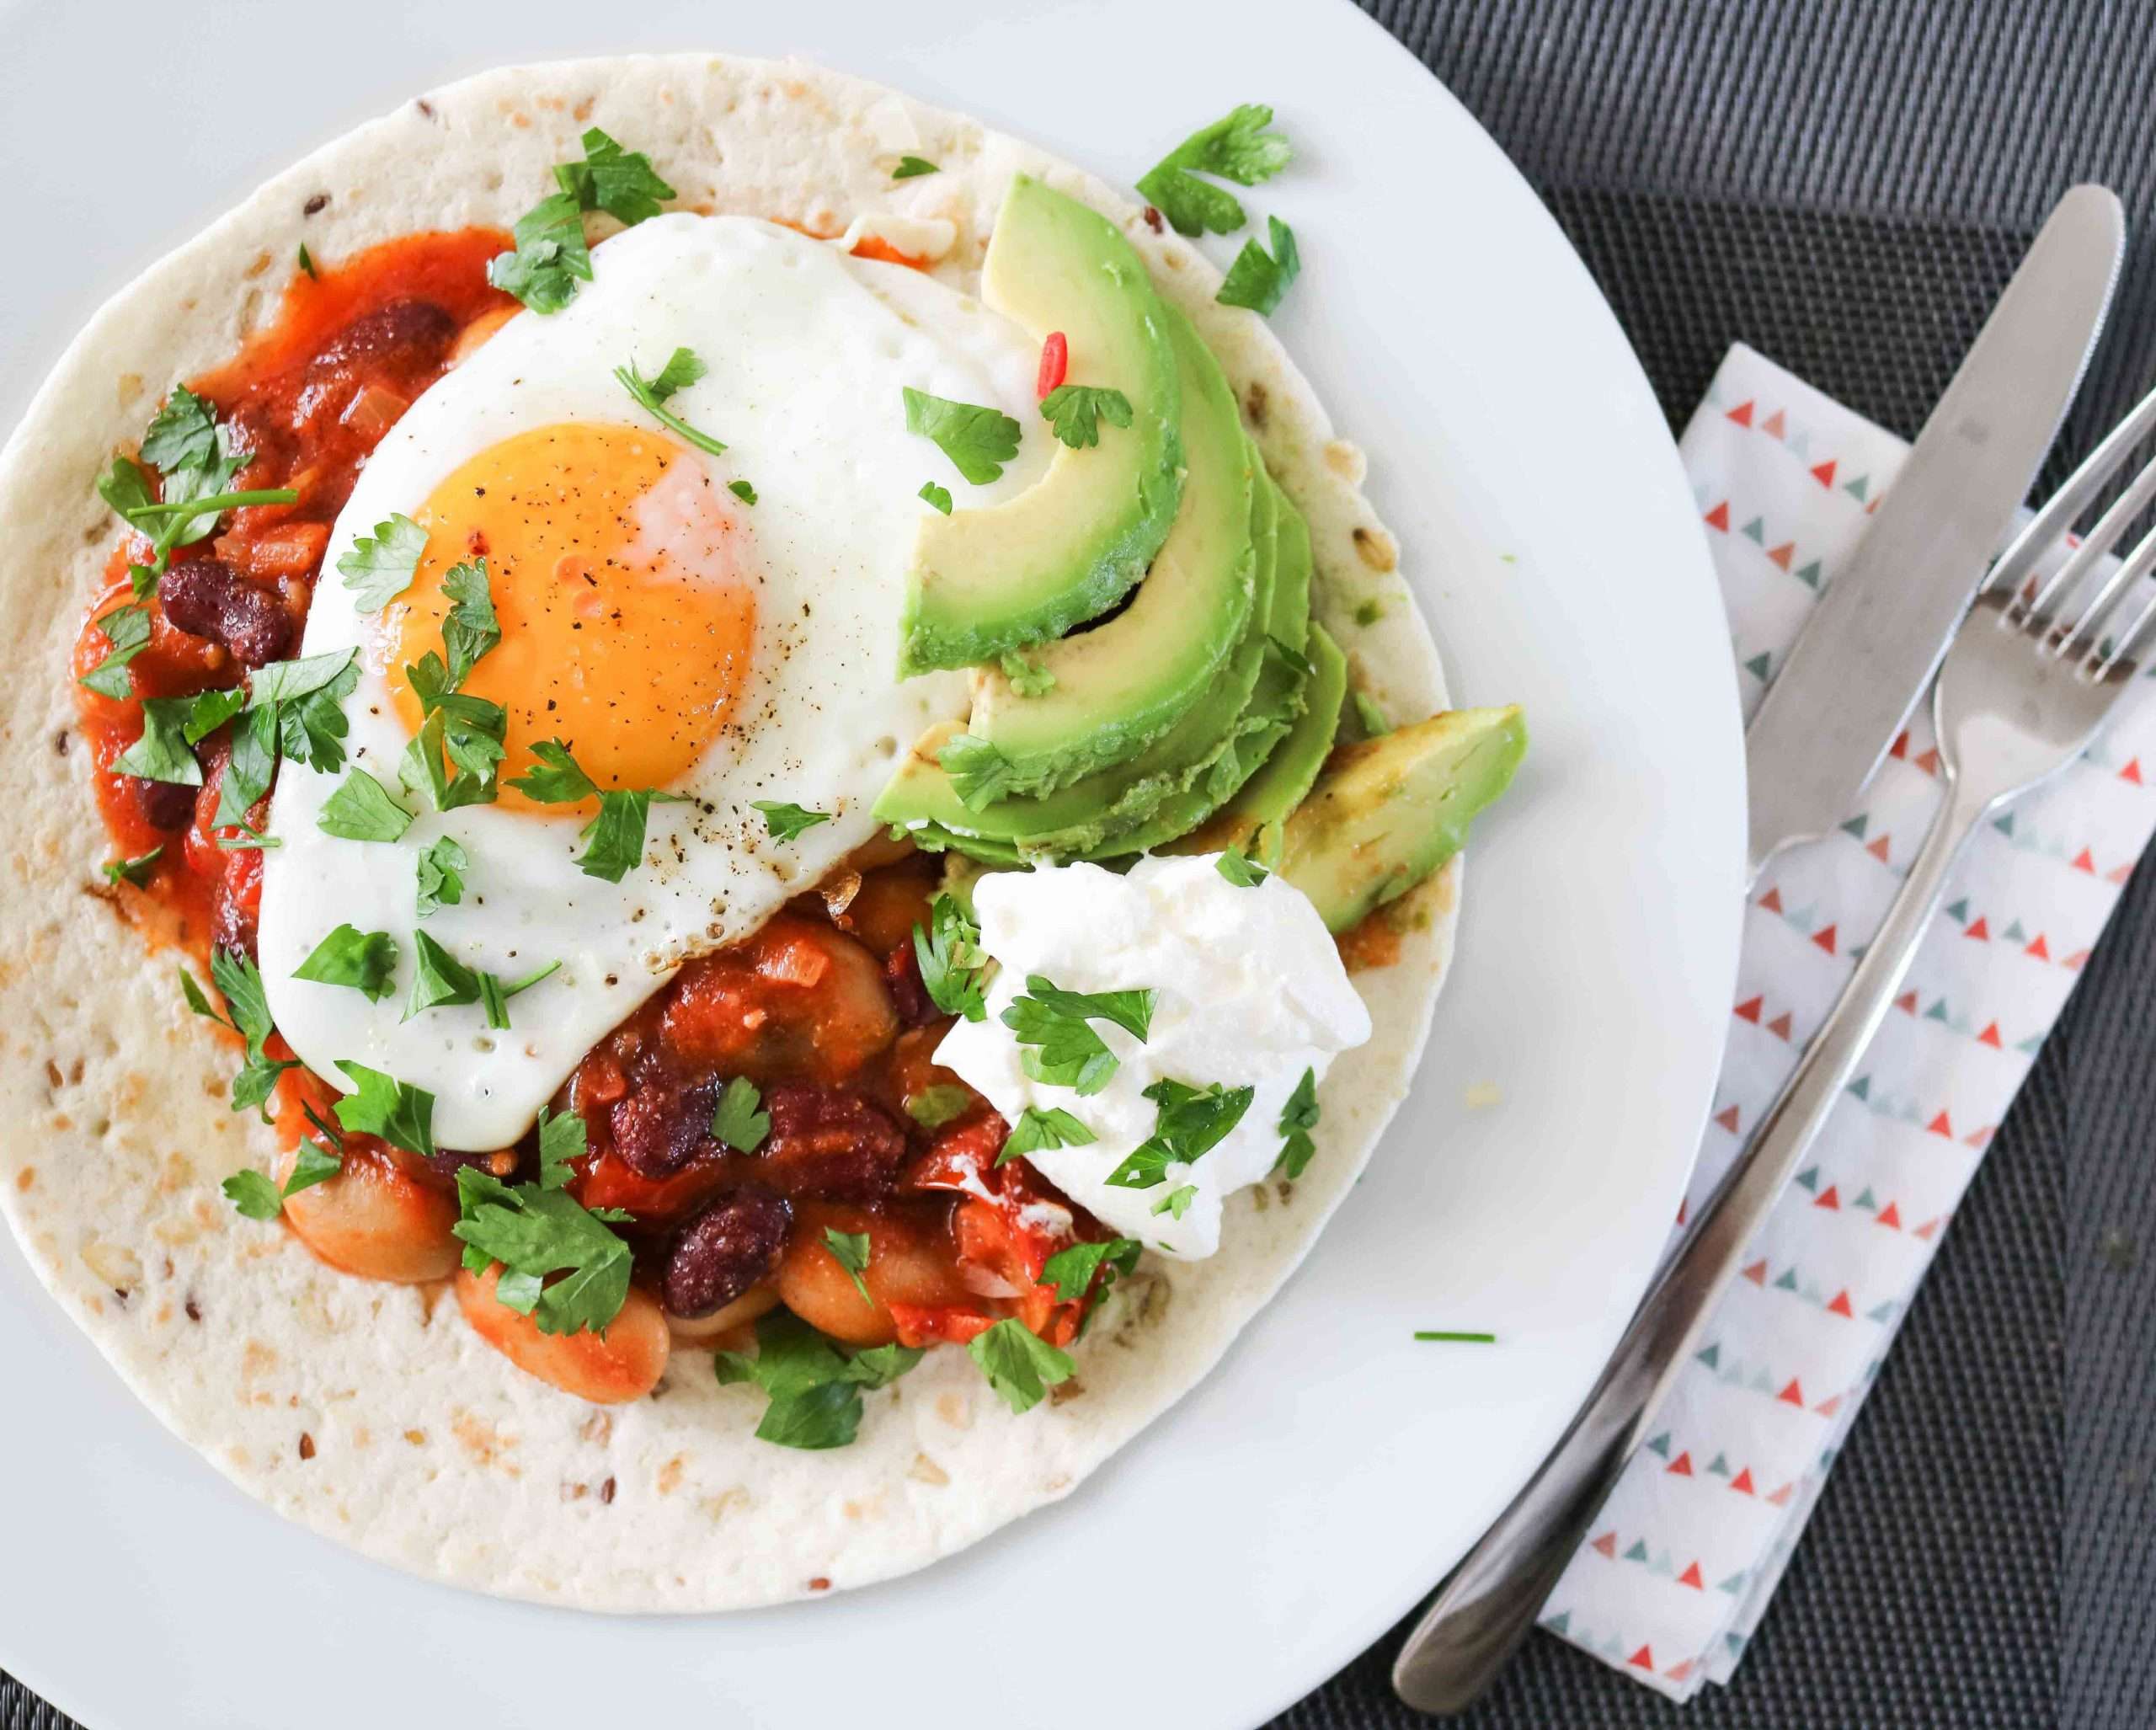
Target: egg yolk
point(619, 573)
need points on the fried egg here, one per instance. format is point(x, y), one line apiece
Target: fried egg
point(673, 635)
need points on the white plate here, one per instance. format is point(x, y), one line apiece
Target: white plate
point(1276, 1522)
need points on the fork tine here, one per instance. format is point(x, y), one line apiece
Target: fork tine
point(2086, 632)
point(2059, 511)
point(2098, 541)
point(2137, 565)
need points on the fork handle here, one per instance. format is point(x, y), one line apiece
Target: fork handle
point(1491, 1601)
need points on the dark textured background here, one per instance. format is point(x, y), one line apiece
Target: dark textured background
point(1846, 186)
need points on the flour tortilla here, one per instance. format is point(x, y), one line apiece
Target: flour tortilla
point(369, 1411)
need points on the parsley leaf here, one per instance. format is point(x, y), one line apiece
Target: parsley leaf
point(743, 491)
point(785, 821)
point(737, 1121)
point(1455, 1337)
point(1071, 1055)
point(1026, 678)
point(1191, 1122)
point(1236, 147)
point(622, 183)
point(1131, 1011)
point(911, 168)
point(471, 628)
point(253, 1195)
point(561, 1142)
point(135, 870)
point(1298, 1117)
point(362, 809)
point(551, 256)
point(617, 832)
point(535, 1231)
point(1375, 724)
point(651, 394)
point(162, 753)
point(378, 567)
point(182, 435)
point(314, 1164)
point(401, 1115)
point(814, 1388)
point(239, 981)
point(1240, 869)
point(440, 980)
point(306, 264)
point(939, 497)
point(211, 710)
point(555, 778)
point(1177, 1202)
point(442, 865)
point(348, 956)
point(1258, 279)
point(950, 957)
point(1036, 1129)
point(1019, 1365)
point(1075, 412)
point(127, 630)
point(978, 440)
point(849, 1250)
point(979, 773)
point(465, 731)
point(1070, 1271)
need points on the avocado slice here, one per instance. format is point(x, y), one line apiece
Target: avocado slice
point(921, 798)
point(1072, 544)
point(1124, 683)
point(1389, 811)
point(1284, 780)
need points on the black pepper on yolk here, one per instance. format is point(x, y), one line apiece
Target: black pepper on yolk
point(619, 572)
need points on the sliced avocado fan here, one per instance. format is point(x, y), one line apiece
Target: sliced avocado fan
point(1066, 550)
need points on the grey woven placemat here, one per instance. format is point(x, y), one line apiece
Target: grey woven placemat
point(1846, 184)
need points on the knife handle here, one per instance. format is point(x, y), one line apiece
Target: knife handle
point(1491, 1601)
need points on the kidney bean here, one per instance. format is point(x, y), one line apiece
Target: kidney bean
point(902, 975)
point(664, 1123)
point(402, 339)
point(166, 804)
point(207, 597)
point(831, 1142)
point(501, 1162)
point(724, 1250)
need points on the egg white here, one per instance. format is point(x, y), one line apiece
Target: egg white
point(808, 348)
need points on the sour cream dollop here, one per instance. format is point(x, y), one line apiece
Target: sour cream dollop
point(1249, 991)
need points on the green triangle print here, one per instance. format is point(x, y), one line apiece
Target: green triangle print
point(1757, 667)
point(1808, 575)
point(1711, 1356)
point(1638, 1552)
point(1958, 912)
point(1856, 826)
point(1720, 1466)
point(1808, 1178)
point(1788, 1280)
point(1734, 1584)
point(1860, 488)
point(2004, 824)
point(1755, 530)
point(1860, 1088)
point(1866, 1200)
point(1660, 1444)
point(1879, 1312)
point(2014, 934)
point(1560, 1623)
point(2032, 1044)
point(1937, 1012)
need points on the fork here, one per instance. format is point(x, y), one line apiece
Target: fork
point(2021, 693)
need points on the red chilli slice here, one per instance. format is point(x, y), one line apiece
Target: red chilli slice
point(1055, 361)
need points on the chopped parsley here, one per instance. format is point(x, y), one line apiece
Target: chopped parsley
point(1177, 1202)
point(784, 821)
point(980, 773)
point(1290, 657)
point(1298, 1117)
point(442, 868)
point(949, 955)
point(743, 491)
point(454, 759)
point(1070, 1271)
point(1236, 147)
point(911, 168)
point(401, 1114)
point(1075, 412)
point(314, 1164)
point(1027, 678)
point(127, 630)
point(1019, 1365)
point(979, 441)
point(849, 1250)
point(1057, 1021)
point(1036, 1129)
point(1375, 724)
point(1191, 1122)
point(239, 981)
point(622, 183)
point(377, 568)
point(1369, 612)
point(195, 459)
point(361, 809)
point(814, 1387)
point(294, 709)
point(1241, 869)
point(135, 870)
point(1469, 1339)
point(440, 980)
point(253, 1195)
point(935, 1106)
point(939, 497)
point(1258, 279)
point(737, 1121)
point(616, 834)
point(561, 1145)
point(361, 959)
point(551, 255)
point(683, 368)
point(306, 264)
point(162, 753)
point(471, 628)
point(535, 1231)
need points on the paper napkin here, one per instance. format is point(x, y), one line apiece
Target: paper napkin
point(1682, 1560)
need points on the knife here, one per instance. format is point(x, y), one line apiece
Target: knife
point(1867, 654)
point(1874, 641)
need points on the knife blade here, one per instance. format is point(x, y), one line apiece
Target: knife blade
point(1875, 641)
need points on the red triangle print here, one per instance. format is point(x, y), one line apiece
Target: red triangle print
point(1989, 1036)
point(2132, 773)
point(1643, 1658)
point(1771, 902)
point(1824, 474)
point(1928, 763)
point(1825, 939)
point(1742, 413)
point(1940, 1126)
point(1907, 1002)
point(1683, 1208)
point(2040, 948)
point(1877, 849)
point(2082, 862)
point(1718, 518)
point(1840, 1306)
point(1757, 1274)
point(1782, 554)
point(1780, 1497)
point(1792, 1394)
point(1977, 1137)
point(1691, 1578)
point(1741, 1483)
point(1891, 1216)
point(1928, 1229)
point(1678, 1673)
point(1780, 1026)
point(1681, 1466)
point(1728, 1119)
point(1749, 1009)
point(1773, 425)
point(1901, 745)
point(1978, 930)
point(1829, 1406)
point(1607, 1544)
point(1830, 1197)
point(2076, 960)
